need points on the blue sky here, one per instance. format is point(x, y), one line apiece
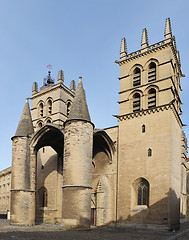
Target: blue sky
point(81, 37)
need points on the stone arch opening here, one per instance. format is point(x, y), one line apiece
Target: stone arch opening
point(47, 144)
point(101, 199)
point(103, 149)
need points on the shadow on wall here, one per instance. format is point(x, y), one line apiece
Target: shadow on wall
point(160, 213)
point(54, 163)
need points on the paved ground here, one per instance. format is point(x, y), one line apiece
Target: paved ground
point(50, 231)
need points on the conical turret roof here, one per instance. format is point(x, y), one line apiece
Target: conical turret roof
point(79, 109)
point(25, 126)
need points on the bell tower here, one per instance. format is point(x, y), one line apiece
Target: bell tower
point(150, 132)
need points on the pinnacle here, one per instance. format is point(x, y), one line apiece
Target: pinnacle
point(25, 126)
point(144, 42)
point(168, 31)
point(61, 76)
point(123, 49)
point(79, 109)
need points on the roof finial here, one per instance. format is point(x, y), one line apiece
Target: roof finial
point(60, 77)
point(144, 42)
point(168, 31)
point(123, 49)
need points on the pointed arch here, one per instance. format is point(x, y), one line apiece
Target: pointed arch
point(48, 135)
point(141, 188)
point(102, 203)
point(41, 109)
point(101, 140)
point(68, 106)
point(49, 103)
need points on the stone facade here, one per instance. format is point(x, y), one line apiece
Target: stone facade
point(66, 171)
point(5, 186)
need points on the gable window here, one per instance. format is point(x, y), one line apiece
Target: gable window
point(143, 193)
point(49, 107)
point(152, 72)
point(151, 98)
point(136, 77)
point(136, 102)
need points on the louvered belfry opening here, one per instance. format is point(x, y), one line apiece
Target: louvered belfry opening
point(152, 98)
point(137, 77)
point(136, 102)
point(152, 72)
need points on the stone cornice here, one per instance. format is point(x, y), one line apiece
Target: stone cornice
point(53, 88)
point(150, 49)
point(146, 84)
point(150, 111)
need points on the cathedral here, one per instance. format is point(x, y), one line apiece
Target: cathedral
point(66, 171)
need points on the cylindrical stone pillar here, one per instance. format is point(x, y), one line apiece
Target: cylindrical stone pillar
point(77, 173)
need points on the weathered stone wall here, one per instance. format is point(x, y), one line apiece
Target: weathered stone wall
point(5, 185)
point(49, 178)
point(77, 172)
point(60, 95)
point(22, 197)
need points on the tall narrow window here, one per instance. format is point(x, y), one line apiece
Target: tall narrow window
point(137, 77)
point(68, 108)
point(136, 102)
point(152, 98)
point(149, 152)
point(40, 124)
point(143, 128)
point(41, 110)
point(143, 194)
point(152, 72)
point(49, 107)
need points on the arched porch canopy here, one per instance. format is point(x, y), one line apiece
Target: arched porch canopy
point(101, 140)
point(49, 135)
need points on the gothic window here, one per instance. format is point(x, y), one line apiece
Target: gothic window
point(149, 152)
point(152, 72)
point(136, 77)
point(143, 128)
point(136, 102)
point(49, 107)
point(151, 98)
point(41, 110)
point(68, 108)
point(143, 193)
